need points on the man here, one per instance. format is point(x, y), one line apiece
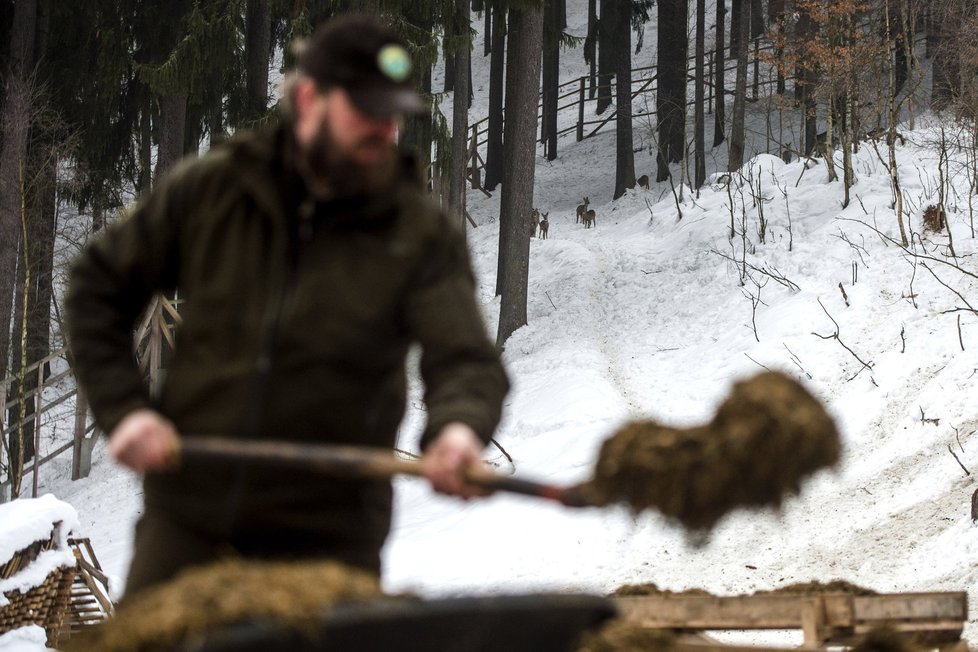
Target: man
point(309, 260)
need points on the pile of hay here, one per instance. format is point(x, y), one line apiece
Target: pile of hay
point(764, 440)
point(623, 636)
point(205, 598)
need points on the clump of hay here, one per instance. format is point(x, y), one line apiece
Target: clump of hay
point(205, 598)
point(884, 639)
point(624, 636)
point(764, 440)
point(650, 588)
point(818, 588)
point(933, 218)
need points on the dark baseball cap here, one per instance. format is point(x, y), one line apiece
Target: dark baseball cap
point(366, 58)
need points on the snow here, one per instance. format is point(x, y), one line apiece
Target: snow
point(645, 317)
point(22, 522)
point(25, 639)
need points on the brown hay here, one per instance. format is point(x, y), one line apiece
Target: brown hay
point(623, 636)
point(207, 597)
point(816, 588)
point(764, 440)
point(884, 639)
point(652, 589)
point(933, 218)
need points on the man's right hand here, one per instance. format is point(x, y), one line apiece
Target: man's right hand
point(145, 441)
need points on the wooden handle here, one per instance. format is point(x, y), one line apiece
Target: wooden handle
point(356, 462)
point(333, 459)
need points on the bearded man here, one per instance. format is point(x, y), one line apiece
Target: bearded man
point(308, 259)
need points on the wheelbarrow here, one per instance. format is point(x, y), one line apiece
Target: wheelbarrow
point(509, 623)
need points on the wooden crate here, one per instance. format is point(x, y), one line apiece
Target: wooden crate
point(936, 619)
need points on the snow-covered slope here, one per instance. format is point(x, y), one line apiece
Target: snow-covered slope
point(646, 316)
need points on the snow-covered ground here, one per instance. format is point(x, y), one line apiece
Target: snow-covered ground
point(646, 317)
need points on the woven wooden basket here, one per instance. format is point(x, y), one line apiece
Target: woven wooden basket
point(43, 605)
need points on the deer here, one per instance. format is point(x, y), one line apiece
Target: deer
point(581, 209)
point(534, 218)
point(589, 219)
point(544, 226)
point(643, 181)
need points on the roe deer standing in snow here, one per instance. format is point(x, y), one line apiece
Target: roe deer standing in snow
point(581, 209)
point(544, 226)
point(589, 219)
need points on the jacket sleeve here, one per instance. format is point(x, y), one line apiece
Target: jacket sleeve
point(463, 375)
point(110, 285)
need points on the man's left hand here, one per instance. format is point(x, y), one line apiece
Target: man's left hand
point(455, 449)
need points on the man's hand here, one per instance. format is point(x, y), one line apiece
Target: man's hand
point(145, 441)
point(455, 449)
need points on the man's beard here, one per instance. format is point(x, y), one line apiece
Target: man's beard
point(342, 173)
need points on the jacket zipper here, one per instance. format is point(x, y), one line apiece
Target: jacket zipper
point(271, 321)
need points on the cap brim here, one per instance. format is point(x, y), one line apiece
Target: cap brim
point(386, 102)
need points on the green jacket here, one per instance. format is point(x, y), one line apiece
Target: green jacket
point(294, 328)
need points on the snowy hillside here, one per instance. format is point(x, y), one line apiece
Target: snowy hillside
point(646, 316)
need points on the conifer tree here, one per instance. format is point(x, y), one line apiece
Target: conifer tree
point(624, 154)
point(670, 99)
point(522, 94)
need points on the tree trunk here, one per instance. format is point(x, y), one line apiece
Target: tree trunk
point(145, 150)
point(522, 86)
point(806, 78)
point(258, 44)
point(699, 98)
point(670, 98)
point(719, 82)
point(757, 25)
point(487, 33)
point(736, 16)
point(15, 122)
point(946, 84)
point(737, 133)
point(450, 63)
point(776, 18)
point(606, 54)
point(33, 295)
point(173, 117)
point(624, 155)
point(590, 47)
point(460, 115)
point(551, 78)
point(494, 144)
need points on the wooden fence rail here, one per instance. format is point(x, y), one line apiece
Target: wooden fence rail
point(643, 78)
point(153, 337)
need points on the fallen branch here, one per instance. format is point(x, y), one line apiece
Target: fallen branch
point(966, 471)
point(935, 421)
point(835, 336)
point(796, 360)
point(773, 272)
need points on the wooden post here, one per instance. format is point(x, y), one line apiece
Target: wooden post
point(81, 452)
point(580, 111)
point(155, 352)
point(38, 391)
point(473, 162)
point(813, 623)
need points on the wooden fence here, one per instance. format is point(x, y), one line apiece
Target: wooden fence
point(642, 83)
point(153, 337)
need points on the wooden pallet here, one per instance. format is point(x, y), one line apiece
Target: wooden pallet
point(936, 619)
point(90, 603)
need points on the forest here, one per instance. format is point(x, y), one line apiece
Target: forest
point(99, 99)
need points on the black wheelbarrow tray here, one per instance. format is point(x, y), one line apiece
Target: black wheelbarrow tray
point(509, 623)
